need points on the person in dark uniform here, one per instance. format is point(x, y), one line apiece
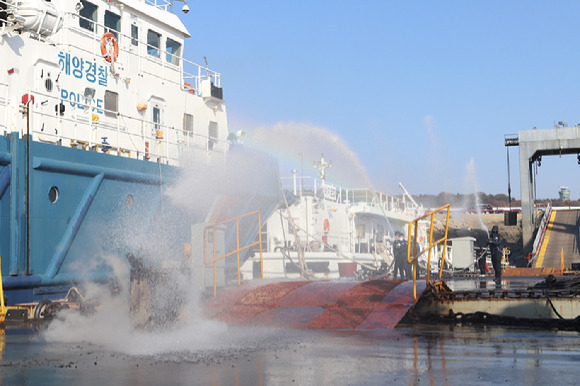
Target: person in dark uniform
point(495, 243)
point(400, 255)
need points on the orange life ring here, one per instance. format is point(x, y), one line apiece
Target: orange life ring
point(188, 87)
point(109, 37)
point(326, 225)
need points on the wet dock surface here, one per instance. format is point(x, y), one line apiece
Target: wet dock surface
point(103, 349)
point(411, 355)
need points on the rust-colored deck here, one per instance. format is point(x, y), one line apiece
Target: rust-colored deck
point(375, 304)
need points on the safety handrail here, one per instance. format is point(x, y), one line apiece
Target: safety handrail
point(540, 236)
point(238, 248)
point(190, 141)
point(308, 185)
point(412, 240)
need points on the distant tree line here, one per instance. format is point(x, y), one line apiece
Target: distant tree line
point(469, 200)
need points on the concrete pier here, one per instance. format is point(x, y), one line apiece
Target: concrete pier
point(533, 145)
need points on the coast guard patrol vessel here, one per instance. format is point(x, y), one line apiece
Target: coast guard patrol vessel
point(100, 114)
point(326, 231)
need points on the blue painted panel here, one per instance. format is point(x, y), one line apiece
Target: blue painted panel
point(89, 229)
point(5, 206)
point(17, 220)
point(100, 232)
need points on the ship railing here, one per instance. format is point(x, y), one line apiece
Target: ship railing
point(310, 242)
point(166, 144)
point(193, 74)
point(413, 254)
point(540, 236)
point(166, 5)
point(175, 69)
point(161, 4)
point(216, 258)
point(358, 196)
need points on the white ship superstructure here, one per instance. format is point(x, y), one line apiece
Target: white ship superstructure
point(328, 231)
point(108, 76)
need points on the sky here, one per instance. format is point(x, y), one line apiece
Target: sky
point(417, 92)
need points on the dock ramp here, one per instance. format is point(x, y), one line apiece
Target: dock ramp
point(562, 234)
point(375, 304)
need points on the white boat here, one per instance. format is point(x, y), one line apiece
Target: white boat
point(325, 231)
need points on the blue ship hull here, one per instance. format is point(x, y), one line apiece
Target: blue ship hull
point(65, 213)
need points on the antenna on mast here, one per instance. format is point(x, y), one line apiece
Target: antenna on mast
point(322, 165)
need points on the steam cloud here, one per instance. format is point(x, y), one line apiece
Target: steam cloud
point(290, 139)
point(159, 243)
point(472, 185)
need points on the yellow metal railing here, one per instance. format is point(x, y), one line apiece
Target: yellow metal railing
point(412, 258)
point(2, 305)
point(238, 248)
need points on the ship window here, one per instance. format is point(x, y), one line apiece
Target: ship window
point(112, 23)
point(213, 129)
point(157, 117)
point(48, 84)
point(134, 35)
point(88, 15)
point(173, 49)
point(213, 134)
point(380, 233)
point(360, 231)
point(111, 103)
point(153, 39)
point(188, 125)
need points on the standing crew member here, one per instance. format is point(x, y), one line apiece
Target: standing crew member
point(400, 255)
point(495, 244)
